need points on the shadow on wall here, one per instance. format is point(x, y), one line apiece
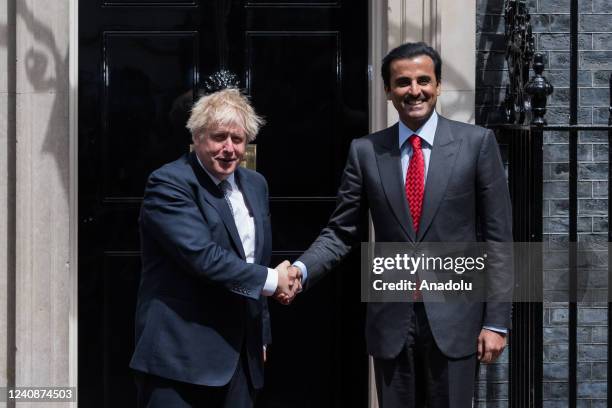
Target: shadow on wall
point(47, 73)
point(3, 36)
point(461, 105)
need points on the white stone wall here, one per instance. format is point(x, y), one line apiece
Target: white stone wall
point(34, 192)
point(450, 27)
point(6, 97)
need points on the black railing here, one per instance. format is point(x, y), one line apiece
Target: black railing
point(526, 102)
point(525, 170)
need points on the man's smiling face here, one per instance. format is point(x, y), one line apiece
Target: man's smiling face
point(221, 149)
point(413, 89)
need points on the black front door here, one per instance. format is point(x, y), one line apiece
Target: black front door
point(141, 64)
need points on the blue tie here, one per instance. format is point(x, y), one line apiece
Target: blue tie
point(226, 187)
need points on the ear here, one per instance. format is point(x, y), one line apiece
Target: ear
point(439, 89)
point(388, 93)
point(196, 138)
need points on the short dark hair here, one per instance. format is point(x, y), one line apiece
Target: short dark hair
point(410, 50)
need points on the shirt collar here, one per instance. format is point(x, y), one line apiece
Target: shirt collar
point(426, 132)
point(231, 179)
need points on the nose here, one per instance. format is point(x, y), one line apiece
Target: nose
point(228, 146)
point(414, 89)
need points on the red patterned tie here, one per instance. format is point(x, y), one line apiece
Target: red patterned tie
point(415, 186)
point(415, 181)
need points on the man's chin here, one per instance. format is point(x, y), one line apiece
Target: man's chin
point(413, 120)
point(420, 110)
point(227, 170)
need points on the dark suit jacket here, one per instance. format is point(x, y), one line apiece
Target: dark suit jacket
point(466, 190)
point(199, 302)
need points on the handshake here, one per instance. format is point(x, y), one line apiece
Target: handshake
point(289, 282)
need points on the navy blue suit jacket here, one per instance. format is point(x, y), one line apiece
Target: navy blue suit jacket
point(199, 301)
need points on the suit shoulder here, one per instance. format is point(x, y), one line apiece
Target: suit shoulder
point(378, 137)
point(253, 177)
point(383, 133)
point(466, 128)
point(176, 171)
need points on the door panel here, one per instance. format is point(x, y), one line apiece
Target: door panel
point(306, 79)
point(287, 213)
point(141, 65)
point(119, 285)
point(295, 3)
point(149, 79)
point(152, 3)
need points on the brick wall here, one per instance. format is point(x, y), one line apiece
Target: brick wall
point(551, 25)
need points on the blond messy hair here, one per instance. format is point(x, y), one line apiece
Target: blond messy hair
point(226, 107)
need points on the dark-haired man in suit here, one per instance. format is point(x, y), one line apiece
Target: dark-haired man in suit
point(424, 179)
point(202, 320)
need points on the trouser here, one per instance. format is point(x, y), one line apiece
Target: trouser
point(421, 375)
point(158, 392)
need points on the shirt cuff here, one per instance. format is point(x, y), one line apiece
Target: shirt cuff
point(496, 329)
point(271, 283)
point(302, 267)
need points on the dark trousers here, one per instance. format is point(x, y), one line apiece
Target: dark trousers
point(158, 392)
point(421, 376)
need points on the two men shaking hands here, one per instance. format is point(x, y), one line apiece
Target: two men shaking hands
point(202, 317)
point(289, 282)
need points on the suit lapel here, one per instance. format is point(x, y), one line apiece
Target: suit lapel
point(253, 204)
point(390, 169)
point(441, 162)
point(214, 196)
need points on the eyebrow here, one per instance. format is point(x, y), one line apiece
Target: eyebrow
point(225, 134)
point(407, 77)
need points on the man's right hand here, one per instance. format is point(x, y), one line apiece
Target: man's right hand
point(490, 345)
point(289, 282)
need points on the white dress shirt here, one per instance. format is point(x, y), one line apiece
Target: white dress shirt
point(427, 132)
point(245, 224)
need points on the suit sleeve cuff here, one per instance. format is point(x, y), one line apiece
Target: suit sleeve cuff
point(300, 265)
point(501, 330)
point(271, 282)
